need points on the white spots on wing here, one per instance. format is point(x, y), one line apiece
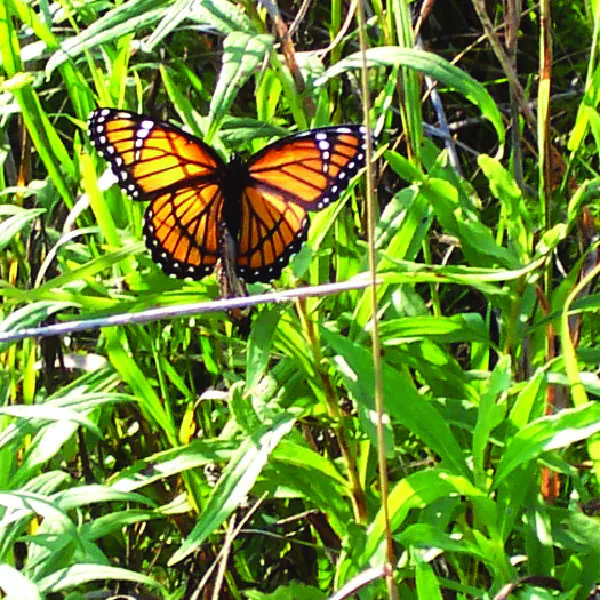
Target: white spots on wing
point(334, 188)
point(343, 130)
point(325, 155)
point(324, 146)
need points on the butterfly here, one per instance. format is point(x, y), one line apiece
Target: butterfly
point(195, 196)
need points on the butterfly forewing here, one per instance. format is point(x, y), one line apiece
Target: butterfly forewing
point(179, 174)
point(311, 168)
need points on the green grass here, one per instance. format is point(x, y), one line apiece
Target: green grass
point(103, 462)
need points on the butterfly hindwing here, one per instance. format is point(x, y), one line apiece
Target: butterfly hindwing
point(182, 230)
point(272, 229)
point(179, 174)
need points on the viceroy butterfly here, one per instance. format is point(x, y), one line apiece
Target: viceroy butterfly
point(194, 194)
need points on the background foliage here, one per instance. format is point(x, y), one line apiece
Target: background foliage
point(189, 459)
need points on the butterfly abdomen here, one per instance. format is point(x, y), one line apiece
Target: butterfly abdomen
point(235, 180)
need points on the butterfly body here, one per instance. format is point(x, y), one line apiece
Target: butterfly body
point(195, 196)
point(235, 179)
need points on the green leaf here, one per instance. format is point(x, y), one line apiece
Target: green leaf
point(428, 586)
point(514, 215)
point(401, 400)
point(549, 433)
point(14, 224)
point(295, 469)
point(30, 315)
point(465, 327)
point(176, 13)
point(224, 16)
point(492, 408)
point(242, 55)
point(172, 462)
point(293, 591)
point(125, 364)
point(236, 482)
point(95, 494)
point(47, 142)
point(127, 17)
point(477, 241)
point(24, 504)
point(259, 344)
point(423, 535)
point(434, 66)
point(417, 491)
point(16, 586)
point(79, 574)
point(50, 413)
point(403, 167)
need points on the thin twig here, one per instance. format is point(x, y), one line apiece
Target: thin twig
point(513, 80)
point(360, 581)
point(184, 310)
point(299, 17)
point(376, 343)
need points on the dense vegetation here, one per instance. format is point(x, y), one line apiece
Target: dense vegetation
point(212, 456)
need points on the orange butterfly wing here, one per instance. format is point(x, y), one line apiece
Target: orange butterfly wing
point(296, 174)
point(179, 174)
point(193, 195)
